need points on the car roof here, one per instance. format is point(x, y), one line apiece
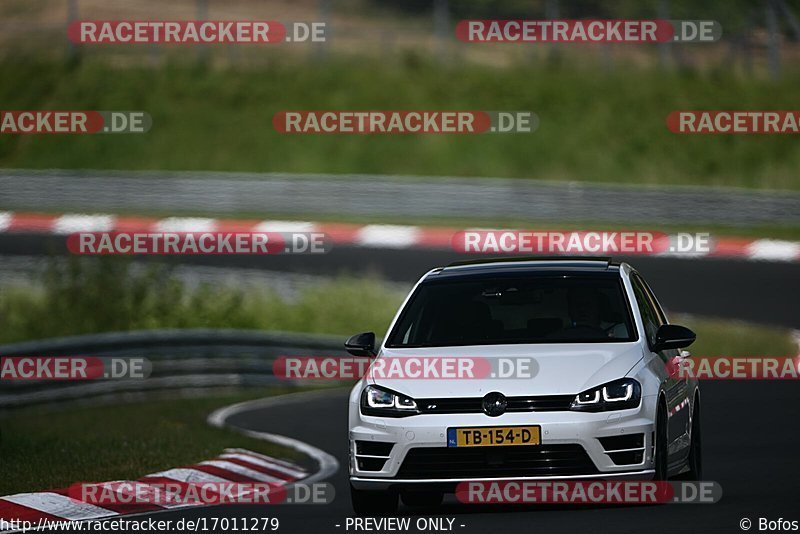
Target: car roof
point(527, 266)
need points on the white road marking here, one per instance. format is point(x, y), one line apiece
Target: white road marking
point(187, 474)
point(241, 470)
point(266, 458)
point(76, 222)
point(388, 235)
point(285, 226)
point(774, 249)
point(5, 220)
point(186, 224)
point(294, 473)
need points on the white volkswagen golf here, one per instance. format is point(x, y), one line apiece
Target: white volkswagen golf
point(598, 402)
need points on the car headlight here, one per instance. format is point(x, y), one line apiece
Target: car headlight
point(386, 403)
point(617, 395)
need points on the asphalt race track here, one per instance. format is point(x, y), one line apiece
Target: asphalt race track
point(750, 429)
point(751, 439)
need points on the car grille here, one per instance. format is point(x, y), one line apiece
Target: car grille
point(496, 462)
point(542, 403)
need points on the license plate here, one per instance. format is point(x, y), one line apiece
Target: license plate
point(493, 436)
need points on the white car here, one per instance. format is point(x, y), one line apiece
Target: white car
point(599, 403)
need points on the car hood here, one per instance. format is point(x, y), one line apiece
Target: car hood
point(559, 369)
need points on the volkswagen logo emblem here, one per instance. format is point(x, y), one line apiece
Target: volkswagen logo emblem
point(494, 404)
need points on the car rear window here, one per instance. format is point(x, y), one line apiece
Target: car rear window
point(514, 311)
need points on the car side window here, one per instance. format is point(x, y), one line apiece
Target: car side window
point(662, 317)
point(650, 317)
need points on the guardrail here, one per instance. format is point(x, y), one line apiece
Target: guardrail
point(411, 197)
point(180, 358)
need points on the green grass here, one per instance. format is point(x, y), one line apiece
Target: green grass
point(594, 126)
point(44, 449)
point(85, 296)
point(723, 337)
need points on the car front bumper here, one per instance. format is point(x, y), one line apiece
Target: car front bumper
point(557, 428)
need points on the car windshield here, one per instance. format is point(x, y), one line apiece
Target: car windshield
point(520, 310)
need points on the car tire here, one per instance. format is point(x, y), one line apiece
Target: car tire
point(373, 503)
point(422, 499)
point(660, 453)
point(695, 460)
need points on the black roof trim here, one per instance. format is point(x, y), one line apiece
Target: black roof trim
point(561, 259)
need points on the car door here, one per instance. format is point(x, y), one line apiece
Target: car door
point(676, 389)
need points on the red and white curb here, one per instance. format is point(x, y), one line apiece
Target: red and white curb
point(233, 465)
point(326, 463)
point(370, 235)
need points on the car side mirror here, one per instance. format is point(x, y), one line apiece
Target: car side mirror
point(673, 336)
point(361, 344)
